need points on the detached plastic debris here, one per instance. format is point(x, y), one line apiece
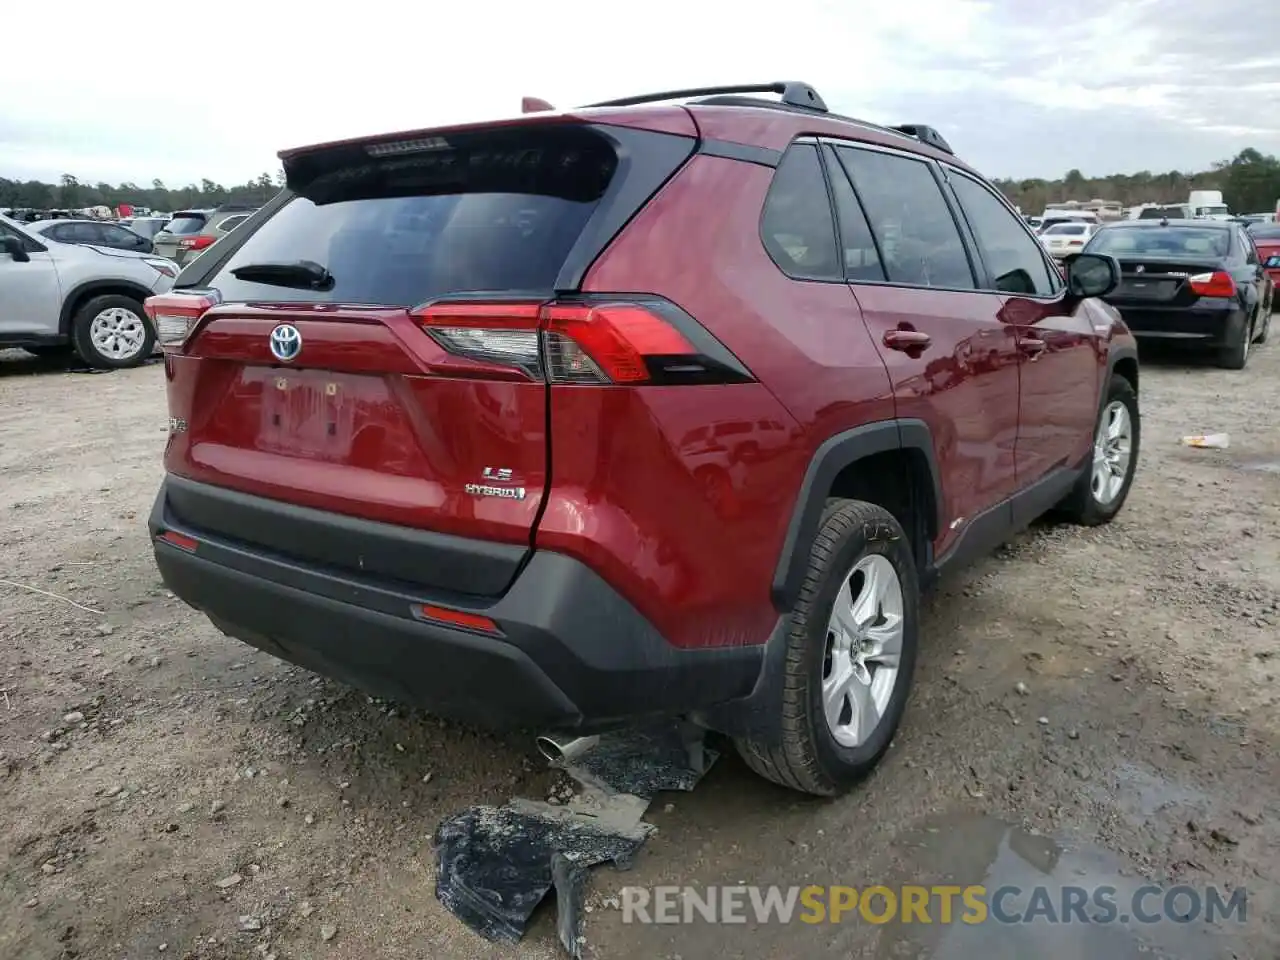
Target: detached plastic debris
point(643, 762)
point(1208, 441)
point(496, 864)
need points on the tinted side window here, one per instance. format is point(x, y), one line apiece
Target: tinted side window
point(1250, 251)
point(76, 233)
point(1014, 258)
point(861, 258)
point(27, 244)
point(796, 225)
point(115, 237)
point(229, 224)
point(918, 238)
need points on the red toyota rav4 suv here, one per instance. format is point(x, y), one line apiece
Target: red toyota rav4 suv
point(668, 405)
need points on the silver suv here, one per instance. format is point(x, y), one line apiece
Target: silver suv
point(58, 298)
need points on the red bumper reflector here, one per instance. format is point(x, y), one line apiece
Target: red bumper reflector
point(458, 618)
point(179, 540)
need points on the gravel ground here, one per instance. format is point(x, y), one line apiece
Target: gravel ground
point(1108, 697)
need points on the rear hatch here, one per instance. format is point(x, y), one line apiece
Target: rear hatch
point(1159, 283)
point(172, 242)
point(1166, 266)
point(365, 378)
point(1063, 239)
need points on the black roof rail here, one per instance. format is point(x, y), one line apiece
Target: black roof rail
point(926, 134)
point(794, 93)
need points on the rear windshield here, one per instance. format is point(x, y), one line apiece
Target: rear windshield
point(1162, 213)
point(1161, 242)
point(1071, 229)
point(419, 223)
point(1265, 231)
point(186, 223)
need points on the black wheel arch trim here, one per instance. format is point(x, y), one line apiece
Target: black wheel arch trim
point(832, 456)
point(108, 288)
point(1116, 352)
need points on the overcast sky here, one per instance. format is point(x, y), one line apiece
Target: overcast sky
point(1021, 88)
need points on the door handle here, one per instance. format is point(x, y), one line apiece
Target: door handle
point(1031, 346)
point(906, 339)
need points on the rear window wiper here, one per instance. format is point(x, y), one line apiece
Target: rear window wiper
point(301, 274)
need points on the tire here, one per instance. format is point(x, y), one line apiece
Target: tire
point(1084, 505)
point(809, 757)
point(1236, 356)
point(94, 344)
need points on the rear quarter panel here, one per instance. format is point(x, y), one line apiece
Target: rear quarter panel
point(681, 497)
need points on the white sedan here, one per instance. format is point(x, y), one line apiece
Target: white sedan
point(1062, 239)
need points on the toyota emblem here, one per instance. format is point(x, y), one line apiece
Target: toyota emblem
point(286, 342)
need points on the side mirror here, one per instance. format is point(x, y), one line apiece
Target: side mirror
point(15, 248)
point(1091, 274)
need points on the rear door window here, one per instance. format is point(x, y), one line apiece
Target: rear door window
point(1014, 258)
point(917, 235)
point(402, 228)
point(796, 225)
point(78, 233)
point(861, 258)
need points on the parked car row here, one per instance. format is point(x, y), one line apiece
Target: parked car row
point(180, 237)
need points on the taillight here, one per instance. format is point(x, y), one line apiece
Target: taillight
point(175, 314)
point(1216, 284)
point(196, 243)
point(600, 340)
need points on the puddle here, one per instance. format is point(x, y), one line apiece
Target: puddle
point(1147, 794)
point(1055, 910)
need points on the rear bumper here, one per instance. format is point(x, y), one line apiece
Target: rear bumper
point(1213, 324)
point(572, 651)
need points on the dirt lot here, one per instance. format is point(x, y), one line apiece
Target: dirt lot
point(1107, 698)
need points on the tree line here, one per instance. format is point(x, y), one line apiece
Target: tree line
point(70, 193)
point(1250, 183)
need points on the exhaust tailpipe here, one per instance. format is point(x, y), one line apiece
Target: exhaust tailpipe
point(564, 749)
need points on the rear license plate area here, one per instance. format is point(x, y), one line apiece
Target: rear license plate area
point(1146, 289)
point(311, 413)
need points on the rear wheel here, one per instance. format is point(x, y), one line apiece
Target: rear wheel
point(851, 650)
point(1236, 356)
point(1104, 485)
point(112, 332)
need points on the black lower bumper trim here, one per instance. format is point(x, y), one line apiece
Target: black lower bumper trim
point(573, 653)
